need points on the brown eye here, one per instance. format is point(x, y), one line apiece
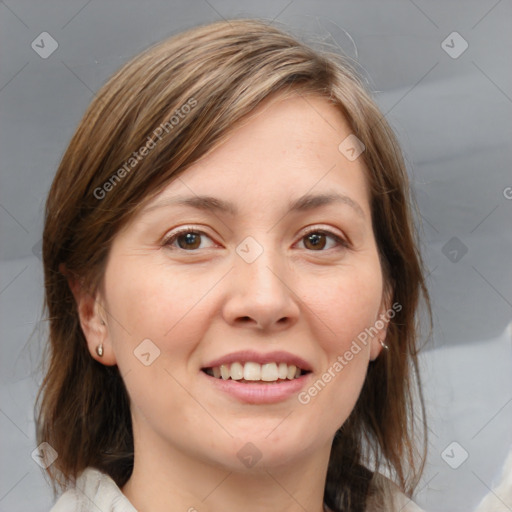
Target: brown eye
point(188, 240)
point(315, 241)
point(321, 241)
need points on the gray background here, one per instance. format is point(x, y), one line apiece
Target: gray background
point(452, 116)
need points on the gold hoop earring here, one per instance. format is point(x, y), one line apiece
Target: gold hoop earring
point(99, 350)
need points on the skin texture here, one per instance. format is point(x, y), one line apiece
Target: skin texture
point(198, 305)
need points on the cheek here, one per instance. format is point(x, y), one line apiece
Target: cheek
point(159, 305)
point(342, 307)
point(345, 303)
point(154, 302)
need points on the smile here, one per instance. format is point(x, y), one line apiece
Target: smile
point(251, 372)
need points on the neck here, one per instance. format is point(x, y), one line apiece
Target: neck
point(181, 482)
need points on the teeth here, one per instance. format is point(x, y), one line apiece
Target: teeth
point(237, 371)
point(250, 371)
point(291, 372)
point(269, 372)
point(224, 372)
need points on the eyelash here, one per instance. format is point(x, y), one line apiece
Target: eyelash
point(168, 241)
point(340, 241)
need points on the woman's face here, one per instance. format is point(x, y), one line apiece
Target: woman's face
point(260, 253)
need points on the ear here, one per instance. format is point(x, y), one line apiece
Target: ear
point(386, 312)
point(93, 318)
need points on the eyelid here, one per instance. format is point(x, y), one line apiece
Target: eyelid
point(173, 234)
point(340, 239)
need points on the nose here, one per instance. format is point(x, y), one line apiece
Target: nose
point(260, 294)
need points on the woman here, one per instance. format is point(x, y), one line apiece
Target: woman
point(232, 282)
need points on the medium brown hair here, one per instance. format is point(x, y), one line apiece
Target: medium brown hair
point(223, 71)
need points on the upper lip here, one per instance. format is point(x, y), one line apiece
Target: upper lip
point(257, 357)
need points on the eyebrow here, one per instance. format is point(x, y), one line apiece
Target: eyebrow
point(304, 203)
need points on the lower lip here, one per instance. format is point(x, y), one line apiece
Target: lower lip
point(253, 393)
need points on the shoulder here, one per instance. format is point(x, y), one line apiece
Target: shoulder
point(405, 504)
point(386, 496)
point(93, 491)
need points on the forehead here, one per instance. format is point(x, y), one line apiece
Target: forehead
point(286, 149)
